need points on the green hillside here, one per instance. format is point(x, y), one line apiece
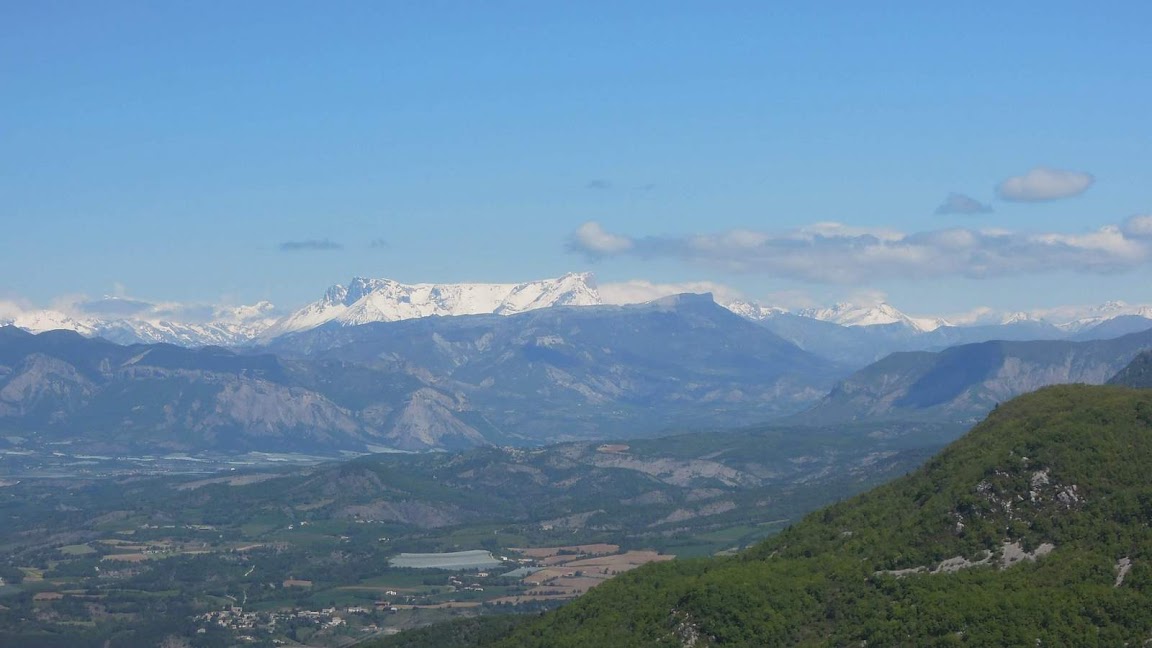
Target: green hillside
point(1050, 497)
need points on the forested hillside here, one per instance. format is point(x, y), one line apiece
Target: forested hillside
point(1031, 530)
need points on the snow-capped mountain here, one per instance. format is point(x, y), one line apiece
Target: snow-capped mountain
point(852, 315)
point(1071, 319)
point(754, 311)
point(363, 301)
point(136, 322)
point(39, 321)
point(842, 314)
point(1079, 319)
point(382, 300)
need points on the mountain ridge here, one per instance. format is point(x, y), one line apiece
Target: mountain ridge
point(966, 381)
point(875, 329)
point(545, 375)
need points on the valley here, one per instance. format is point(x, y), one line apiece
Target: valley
point(122, 554)
point(350, 482)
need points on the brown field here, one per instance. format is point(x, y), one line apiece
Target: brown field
point(588, 550)
point(619, 562)
point(593, 571)
point(545, 575)
point(571, 586)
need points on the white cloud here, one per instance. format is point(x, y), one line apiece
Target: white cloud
point(1138, 227)
point(974, 316)
point(1043, 183)
point(834, 253)
point(87, 310)
point(10, 310)
point(829, 229)
point(637, 291)
point(868, 297)
point(591, 239)
point(957, 203)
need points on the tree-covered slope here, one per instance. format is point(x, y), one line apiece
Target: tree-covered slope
point(1031, 530)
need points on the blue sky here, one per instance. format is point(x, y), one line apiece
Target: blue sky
point(171, 150)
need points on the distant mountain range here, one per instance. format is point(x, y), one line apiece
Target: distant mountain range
point(963, 383)
point(560, 373)
point(545, 375)
point(845, 333)
point(128, 321)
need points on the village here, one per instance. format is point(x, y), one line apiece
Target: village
point(540, 576)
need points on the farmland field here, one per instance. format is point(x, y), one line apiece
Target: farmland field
point(476, 559)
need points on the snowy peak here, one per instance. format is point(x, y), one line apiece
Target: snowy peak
point(40, 321)
point(260, 315)
point(132, 322)
point(1018, 318)
point(852, 315)
point(573, 289)
point(1088, 317)
point(842, 314)
point(383, 300)
point(753, 310)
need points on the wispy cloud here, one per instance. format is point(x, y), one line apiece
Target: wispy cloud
point(10, 309)
point(1042, 184)
point(1138, 227)
point(637, 291)
point(591, 239)
point(958, 203)
point(310, 245)
point(839, 254)
point(115, 307)
point(85, 309)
